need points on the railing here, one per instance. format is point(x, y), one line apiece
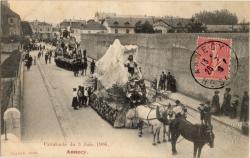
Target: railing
point(15, 101)
point(17, 88)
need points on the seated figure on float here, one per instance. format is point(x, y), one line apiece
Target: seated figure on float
point(134, 92)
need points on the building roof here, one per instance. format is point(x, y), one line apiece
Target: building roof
point(174, 22)
point(72, 23)
point(7, 12)
point(93, 25)
point(125, 22)
point(36, 22)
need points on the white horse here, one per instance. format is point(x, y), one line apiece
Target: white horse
point(147, 116)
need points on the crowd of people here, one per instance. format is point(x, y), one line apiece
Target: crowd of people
point(74, 59)
point(81, 97)
point(167, 82)
point(229, 107)
point(28, 59)
point(79, 66)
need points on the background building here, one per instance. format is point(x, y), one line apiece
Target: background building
point(41, 30)
point(124, 25)
point(171, 24)
point(10, 21)
point(90, 27)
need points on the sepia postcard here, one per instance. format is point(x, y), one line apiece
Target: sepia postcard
point(124, 79)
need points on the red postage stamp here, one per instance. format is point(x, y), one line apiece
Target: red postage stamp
point(213, 57)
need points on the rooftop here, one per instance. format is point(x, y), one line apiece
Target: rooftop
point(93, 25)
point(36, 22)
point(127, 21)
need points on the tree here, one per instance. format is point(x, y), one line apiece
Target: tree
point(145, 27)
point(138, 27)
point(217, 17)
point(195, 26)
point(26, 28)
point(244, 26)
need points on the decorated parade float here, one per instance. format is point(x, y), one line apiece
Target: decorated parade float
point(64, 53)
point(111, 100)
point(118, 96)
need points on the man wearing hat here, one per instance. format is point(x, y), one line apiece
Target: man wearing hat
point(207, 113)
point(215, 107)
point(225, 108)
point(201, 109)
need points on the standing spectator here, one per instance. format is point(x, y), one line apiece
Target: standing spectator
point(234, 105)
point(244, 107)
point(173, 84)
point(86, 96)
point(39, 54)
point(30, 60)
point(79, 96)
point(92, 67)
point(215, 109)
point(201, 108)
point(75, 100)
point(82, 98)
point(50, 55)
point(34, 60)
point(207, 113)
point(46, 58)
point(84, 54)
point(162, 80)
point(225, 108)
point(85, 66)
point(169, 79)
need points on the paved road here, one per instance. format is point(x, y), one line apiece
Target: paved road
point(49, 117)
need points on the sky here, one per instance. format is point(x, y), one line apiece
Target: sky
point(55, 11)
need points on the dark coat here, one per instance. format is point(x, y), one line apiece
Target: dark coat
point(74, 102)
point(226, 106)
point(92, 66)
point(216, 104)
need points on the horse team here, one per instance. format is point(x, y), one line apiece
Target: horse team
point(166, 117)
